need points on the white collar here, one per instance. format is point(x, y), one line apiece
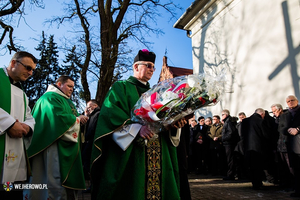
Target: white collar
point(145, 83)
point(52, 88)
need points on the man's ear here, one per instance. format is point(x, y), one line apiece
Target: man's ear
point(58, 84)
point(12, 64)
point(136, 67)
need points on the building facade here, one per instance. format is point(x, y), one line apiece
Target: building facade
point(257, 42)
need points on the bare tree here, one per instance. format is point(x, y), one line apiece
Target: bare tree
point(9, 10)
point(105, 50)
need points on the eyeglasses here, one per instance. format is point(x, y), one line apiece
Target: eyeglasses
point(29, 68)
point(148, 65)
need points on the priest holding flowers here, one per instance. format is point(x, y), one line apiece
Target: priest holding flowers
point(122, 166)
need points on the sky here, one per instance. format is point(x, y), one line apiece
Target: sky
point(174, 41)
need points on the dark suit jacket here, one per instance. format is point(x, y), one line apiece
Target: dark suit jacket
point(288, 121)
point(254, 137)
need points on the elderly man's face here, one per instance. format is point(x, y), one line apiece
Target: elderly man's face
point(276, 112)
point(224, 115)
point(292, 102)
point(143, 70)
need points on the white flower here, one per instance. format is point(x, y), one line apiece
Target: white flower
point(169, 95)
point(212, 92)
point(195, 81)
point(212, 95)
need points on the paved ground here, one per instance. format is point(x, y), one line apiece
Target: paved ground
point(214, 188)
point(209, 187)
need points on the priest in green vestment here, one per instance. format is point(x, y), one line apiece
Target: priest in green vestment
point(55, 149)
point(16, 123)
point(122, 167)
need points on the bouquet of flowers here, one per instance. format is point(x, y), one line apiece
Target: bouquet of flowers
point(173, 99)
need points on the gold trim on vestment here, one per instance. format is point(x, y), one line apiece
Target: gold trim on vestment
point(54, 140)
point(153, 167)
point(104, 136)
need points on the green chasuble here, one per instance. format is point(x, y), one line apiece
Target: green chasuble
point(54, 115)
point(118, 174)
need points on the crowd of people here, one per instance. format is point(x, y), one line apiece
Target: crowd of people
point(54, 145)
point(259, 148)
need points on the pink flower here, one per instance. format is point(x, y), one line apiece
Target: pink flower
point(143, 113)
point(172, 87)
point(181, 95)
point(158, 105)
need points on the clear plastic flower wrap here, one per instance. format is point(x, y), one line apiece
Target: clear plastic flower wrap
point(173, 99)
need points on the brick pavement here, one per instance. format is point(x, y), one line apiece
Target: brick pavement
point(214, 188)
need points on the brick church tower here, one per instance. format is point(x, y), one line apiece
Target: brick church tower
point(172, 72)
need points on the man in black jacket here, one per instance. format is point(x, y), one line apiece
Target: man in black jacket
point(254, 146)
point(92, 109)
point(289, 124)
point(201, 146)
point(229, 138)
point(285, 172)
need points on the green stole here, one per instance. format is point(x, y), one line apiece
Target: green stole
point(5, 104)
point(118, 174)
point(54, 115)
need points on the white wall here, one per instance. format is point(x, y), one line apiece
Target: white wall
point(250, 38)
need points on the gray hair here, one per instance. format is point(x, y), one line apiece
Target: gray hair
point(226, 111)
point(259, 111)
point(277, 106)
point(292, 96)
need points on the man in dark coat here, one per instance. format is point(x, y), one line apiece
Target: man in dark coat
point(191, 154)
point(270, 128)
point(285, 172)
point(93, 110)
point(239, 149)
point(182, 155)
point(254, 145)
point(229, 138)
point(201, 146)
point(289, 124)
